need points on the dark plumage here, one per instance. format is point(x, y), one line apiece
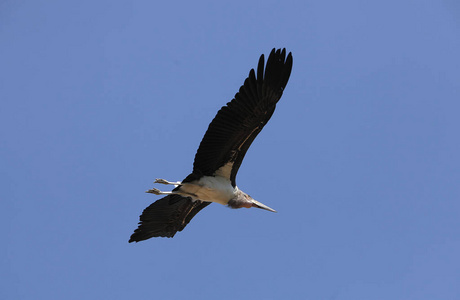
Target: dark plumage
point(220, 153)
point(166, 216)
point(237, 124)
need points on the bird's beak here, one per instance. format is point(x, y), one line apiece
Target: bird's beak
point(257, 204)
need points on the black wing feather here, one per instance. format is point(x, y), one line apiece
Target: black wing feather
point(237, 124)
point(167, 216)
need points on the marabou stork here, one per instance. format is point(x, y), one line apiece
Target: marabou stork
point(220, 154)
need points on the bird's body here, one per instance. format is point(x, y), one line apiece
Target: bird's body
point(211, 189)
point(220, 154)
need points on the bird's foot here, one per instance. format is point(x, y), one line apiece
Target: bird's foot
point(155, 191)
point(164, 181)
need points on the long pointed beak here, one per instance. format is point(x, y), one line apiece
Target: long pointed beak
point(257, 204)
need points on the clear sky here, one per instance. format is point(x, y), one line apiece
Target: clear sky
point(361, 158)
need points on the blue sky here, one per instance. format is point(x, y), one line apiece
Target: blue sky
point(361, 158)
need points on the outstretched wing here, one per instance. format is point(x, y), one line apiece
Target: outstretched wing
point(237, 124)
point(166, 216)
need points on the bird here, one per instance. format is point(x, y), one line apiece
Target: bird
point(220, 154)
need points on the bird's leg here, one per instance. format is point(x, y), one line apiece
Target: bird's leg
point(164, 181)
point(174, 192)
point(158, 192)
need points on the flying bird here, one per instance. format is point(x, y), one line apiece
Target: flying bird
point(220, 154)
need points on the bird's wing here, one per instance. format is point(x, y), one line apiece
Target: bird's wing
point(166, 216)
point(237, 124)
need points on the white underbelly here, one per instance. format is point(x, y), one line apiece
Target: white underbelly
point(211, 188)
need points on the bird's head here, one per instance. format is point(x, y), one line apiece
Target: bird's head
point(244, 200)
